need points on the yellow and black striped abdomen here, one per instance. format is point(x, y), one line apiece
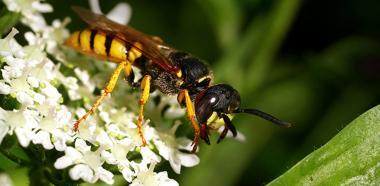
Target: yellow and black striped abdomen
point(103, 45)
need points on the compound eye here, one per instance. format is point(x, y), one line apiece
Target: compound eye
point(204, 107)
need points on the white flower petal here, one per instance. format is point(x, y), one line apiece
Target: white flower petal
point(73, 153)
point(24, 98)
point(81, 145)
point(5, 180)
point(121, 13)
point(150, 178)
point(40, 99)
point(42, 7)
point(185, 144)
point(63, 162)
point(105, 175)
point(149, 155)
point(60, 139)
point(31, 38)
point(84, 172)
point(110, 159)
point(128, 174)
point(34, 82)
point(175, 163)
point(239, 137)
point(4, 88)
point(188, 160)
point(163, 149)
point(52, 94)
point(104, 140)
point(43, 137)
point(24, 136)
point(163, 179)
point(95, 7)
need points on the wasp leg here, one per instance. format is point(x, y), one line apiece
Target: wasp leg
point(145, 87)
point(223, 134)
point(205, 133)
point(184, 96)
point(227, 126)
point(106, 91)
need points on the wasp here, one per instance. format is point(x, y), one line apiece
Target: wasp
point(173, 72)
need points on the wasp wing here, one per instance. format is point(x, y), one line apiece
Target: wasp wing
point(154, 49)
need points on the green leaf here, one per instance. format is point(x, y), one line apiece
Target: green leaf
point(8, 20)
point(352, 157)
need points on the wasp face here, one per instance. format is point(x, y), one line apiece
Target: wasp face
point(196, 75)
point(222, 99)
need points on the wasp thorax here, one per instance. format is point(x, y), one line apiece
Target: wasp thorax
point(220, 99)
point(196, 75)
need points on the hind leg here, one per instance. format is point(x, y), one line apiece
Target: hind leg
point(105, 92)
point(145, 91)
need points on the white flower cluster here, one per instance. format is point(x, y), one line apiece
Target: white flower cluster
point(31, 78)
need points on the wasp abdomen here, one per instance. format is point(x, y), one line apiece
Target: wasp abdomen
point(103, 45)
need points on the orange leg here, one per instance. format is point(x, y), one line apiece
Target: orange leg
point(145, 91)
point(184, 96)
point(106, 91)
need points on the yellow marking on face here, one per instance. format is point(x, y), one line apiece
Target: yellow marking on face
point(99, 44)
point(118, 50)
point(85, 40)
point(214, 122)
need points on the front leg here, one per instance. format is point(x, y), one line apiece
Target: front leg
point(205, 133)
point(184, 97)
point(227, 126)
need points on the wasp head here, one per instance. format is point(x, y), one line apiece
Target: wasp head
point(220, 99)
point(217, 104)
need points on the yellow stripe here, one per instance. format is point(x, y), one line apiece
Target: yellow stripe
point(117, 50)
point(85, 40)
point(99, 41)
point(72, 41)
point(134, 52)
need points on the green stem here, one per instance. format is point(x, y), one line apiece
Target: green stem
point(14, 158)
point(280, 21)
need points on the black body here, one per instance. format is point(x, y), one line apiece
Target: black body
point(193, 69)
point(196, 77)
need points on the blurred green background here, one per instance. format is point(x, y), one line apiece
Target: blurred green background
point(314, 63)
